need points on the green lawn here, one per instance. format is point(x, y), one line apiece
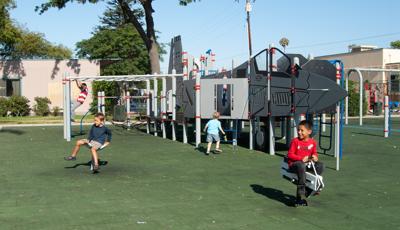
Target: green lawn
point(152, 183)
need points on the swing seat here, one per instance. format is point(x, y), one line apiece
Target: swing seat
point(100, 162)
point(313, 180)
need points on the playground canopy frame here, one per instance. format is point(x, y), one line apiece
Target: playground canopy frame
point(126, 78)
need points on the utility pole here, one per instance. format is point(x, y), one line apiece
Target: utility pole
point(248, 10)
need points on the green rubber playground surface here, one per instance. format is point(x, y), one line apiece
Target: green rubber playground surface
point(152, 183)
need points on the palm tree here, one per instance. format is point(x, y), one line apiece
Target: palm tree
point(284, 42)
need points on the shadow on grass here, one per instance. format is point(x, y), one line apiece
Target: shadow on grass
point(202, 149)
point(368, 134)
point(86, 164)
point(274, 194)
point(12, 131)
point(77, 135)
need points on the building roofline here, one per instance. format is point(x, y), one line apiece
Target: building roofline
point(352, 53)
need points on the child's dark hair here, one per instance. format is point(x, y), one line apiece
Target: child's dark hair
point(83, 84)
point(307, 124)
point(100, 116)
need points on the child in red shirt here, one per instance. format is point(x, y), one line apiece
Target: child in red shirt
point(81, 98)
point(303, 149)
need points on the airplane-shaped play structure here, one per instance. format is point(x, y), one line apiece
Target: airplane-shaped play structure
point(270, 88)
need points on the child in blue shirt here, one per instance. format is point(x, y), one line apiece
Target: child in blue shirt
point(99, 137)
point(213, 127)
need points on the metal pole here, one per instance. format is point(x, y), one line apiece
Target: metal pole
point(68, 112)
point(164, 106)
point(198, 101)
point(99, 101)
point(64, 82)
point(185, 141)
point(148, 105)
point(296, 61)
point(155, 104)
point(360, 76)
point(337, 117)
point(103, 102)
point(185, 62)
point(347, 102)
point(173, 105)
point(288, 131)
point(272, 67)
point(323, 122)
point(386, 128)
point(248, 10)
point(128, 109)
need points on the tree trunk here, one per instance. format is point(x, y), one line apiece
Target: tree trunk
point(148, 36)
point(154, 57)
point(151, 36)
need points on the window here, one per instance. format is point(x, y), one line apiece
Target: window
point(395, 83)
point(10, 87)
point(222, 98)
point(261, 61)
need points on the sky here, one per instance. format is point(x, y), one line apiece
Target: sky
point(313, 27)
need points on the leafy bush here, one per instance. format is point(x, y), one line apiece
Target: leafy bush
point(18, 106)
point(56, 111)
point(4, 106)
point(41, 108)
point(354, 100)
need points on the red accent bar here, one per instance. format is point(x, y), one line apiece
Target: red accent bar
point(293, 69)
point(272, 50)
point(197, 117)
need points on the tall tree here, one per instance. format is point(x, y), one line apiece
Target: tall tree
point(146, 30)
point(17, 42)
point(120, 48)
point(118, 42)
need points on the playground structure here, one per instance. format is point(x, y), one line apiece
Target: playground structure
point(272, 85)
point(381, 100)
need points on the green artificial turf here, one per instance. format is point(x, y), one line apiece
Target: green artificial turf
point(152, 183)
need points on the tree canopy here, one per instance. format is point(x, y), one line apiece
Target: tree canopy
point(395, 44)
point(145, 29)
point(17, 42)
point(118, 42)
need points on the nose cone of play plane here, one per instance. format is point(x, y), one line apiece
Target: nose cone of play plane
point(316, 93)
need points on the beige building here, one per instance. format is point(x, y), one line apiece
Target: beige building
point(368, 57)
point(43, 78)
point(364, 56)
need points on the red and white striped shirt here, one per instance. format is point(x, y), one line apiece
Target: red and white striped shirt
point(82, 95)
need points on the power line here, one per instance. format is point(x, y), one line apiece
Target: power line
point(343, 41)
